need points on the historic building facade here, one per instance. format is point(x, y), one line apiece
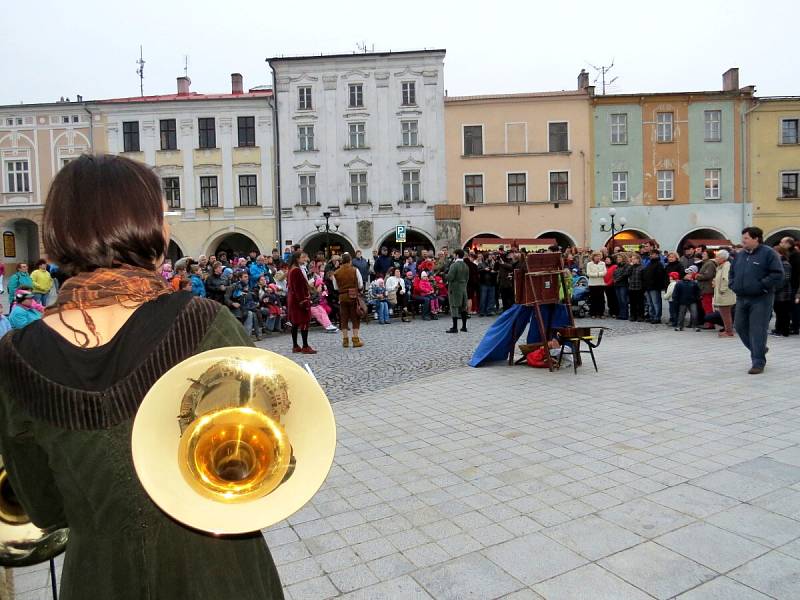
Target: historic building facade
point(361, 148)
point(36, 140)
point(774, 160)
point(672, 164)
point(214, 155)
point(519, 166)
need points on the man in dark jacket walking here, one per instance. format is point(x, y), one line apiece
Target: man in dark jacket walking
point(755, 274)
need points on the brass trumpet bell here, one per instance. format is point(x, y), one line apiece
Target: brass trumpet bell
point(233, 440)
point(21, 542)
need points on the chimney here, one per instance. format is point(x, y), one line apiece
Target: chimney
point(236, 83)
point(583, 80)
point(730, 80)
point(183, 86)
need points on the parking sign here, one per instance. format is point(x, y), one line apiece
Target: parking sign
point(400, 234)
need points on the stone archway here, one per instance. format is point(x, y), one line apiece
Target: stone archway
point(704, 235)
point(776, 236)
point(233, 244)
point(470, 242)
point(174, 251)
point(415, 240)
point(318, 242)
point(20, 241)
point(563, 240)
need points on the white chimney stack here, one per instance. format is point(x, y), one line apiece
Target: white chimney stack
point(730, 80)
point(183, 86)
point(236, 83)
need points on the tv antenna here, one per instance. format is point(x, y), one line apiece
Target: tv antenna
point(602, 71)
point(185, 65)
point(362, 47)
point(140, 72)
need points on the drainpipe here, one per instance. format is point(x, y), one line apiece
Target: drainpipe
point(277, 164)
point(586, 205)
point(744, 166)
point(91, 127)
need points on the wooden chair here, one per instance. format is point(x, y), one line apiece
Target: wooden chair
point(574, 337)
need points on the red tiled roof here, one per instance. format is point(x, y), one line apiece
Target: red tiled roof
point(520, 96)
point(187, 97)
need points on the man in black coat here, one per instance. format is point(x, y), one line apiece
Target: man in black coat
point(654, 281)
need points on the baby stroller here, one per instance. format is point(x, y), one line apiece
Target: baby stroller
point(580, 296)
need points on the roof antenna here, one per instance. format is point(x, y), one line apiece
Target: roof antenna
point(602, 70)
point(185, 65)
point(140, 72)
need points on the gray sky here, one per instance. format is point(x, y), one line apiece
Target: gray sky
point(53, 48)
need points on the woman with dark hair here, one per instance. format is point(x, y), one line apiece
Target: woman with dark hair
point(71, 383)
point(298, 301)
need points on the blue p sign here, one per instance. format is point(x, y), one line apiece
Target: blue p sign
point(400, 234)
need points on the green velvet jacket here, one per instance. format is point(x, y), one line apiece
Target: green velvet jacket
point(68, 453)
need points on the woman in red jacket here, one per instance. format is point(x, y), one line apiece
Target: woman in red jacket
point(298, 301)
point(611, 291)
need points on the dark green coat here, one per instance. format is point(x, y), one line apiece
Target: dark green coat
point(457, 278)
point(121, 546)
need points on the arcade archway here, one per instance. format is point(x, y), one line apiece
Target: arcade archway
point(472, 241)
point(415, 240)
point(20, 241)
point(704, 236)
point(563, 241)
point(319, 242)
point(234, 244)
point(629, 239)
point(774, 238)
point(174, 252)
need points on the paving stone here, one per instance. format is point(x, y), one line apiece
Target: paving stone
point(319, 588)
point(589, 582)
point(657, 570)
point(400, 588)
point(645, 518)
point(692, 500)
point(469, 577)
point(711, 546)
point(736, 485)
point(785, 501)
point(592, 537)
point(758, 525)
point(353, 578)
point(774, 574)
point(533, 558)
point(722, 588)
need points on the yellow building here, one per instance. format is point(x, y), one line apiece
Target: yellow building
point(36, 140)
point(774, 163)
point(518, 165)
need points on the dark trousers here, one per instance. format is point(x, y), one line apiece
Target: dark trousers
point(426, 304)
point(783, 316)
point(597, 300)
point(693, 317)
point(622, 302)
point(795, 313)
point(637, 304)
point(654, 305)
point(752, 325)
point(487, 300)
point(507, 295)
point(611, 301)
point(673, 313)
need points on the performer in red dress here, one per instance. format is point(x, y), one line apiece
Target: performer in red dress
point(298, 300)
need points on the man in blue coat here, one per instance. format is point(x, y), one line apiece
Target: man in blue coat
point(755, 274)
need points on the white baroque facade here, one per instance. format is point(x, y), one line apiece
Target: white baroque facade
point(219, 181)
point(360, 136)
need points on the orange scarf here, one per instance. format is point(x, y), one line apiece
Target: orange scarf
point(125, 285)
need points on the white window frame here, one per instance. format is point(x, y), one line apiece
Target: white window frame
point(663, 126)
point(239, 186)
point(180, 189)
point(358, 188)
point(505, 128)
point(216, 189)
point(708, 190)
point(617, 126)
point(17, 181)
point(569, 141)
point(780, 132)
point(569, 185)
point(357, 130)
point(310, 188)
point(483, 139)
point(619, 188)
point(358, 88)
point(411, 134)
point(413, 184)
point(404, 91)
point(302, 140)
point(670, 180)
point(464, 188)
point(780, 185)
point(303, 98)
point(709, 126)
point(508, 187)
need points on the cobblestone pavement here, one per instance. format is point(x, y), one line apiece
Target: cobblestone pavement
point(383, 361)
point(671, 473)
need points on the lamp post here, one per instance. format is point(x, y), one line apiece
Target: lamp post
point(612, 227)
point(326, 227)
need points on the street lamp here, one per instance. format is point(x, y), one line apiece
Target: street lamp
point(613, 228)
point(326, 227)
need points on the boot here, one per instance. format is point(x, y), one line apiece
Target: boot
point(308, 350)
point(345, 342)
point(357, 343)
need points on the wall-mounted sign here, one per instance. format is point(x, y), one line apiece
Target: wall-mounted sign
point(9, 244)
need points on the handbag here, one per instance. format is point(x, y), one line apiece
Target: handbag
point(361, 307)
